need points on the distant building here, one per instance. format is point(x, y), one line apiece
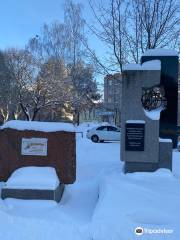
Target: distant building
point(93, 113)
point(90, 115)
point(112, 98)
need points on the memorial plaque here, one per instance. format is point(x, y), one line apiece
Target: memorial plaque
point(134, 137)
point(34, 146)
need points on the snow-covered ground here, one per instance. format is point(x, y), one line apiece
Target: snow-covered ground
point(103, 203)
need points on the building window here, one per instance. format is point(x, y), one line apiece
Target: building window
point(116, 98)
point(109, 99)
point(110, 91)
point(110, 82)
point(117, 90)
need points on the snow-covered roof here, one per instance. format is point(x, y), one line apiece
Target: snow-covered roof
point(160, 52)
point(39, 126)
point(149, 65)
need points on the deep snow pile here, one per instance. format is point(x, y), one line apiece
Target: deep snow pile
point(147, 200)
point(103, 204)
point(33, 178)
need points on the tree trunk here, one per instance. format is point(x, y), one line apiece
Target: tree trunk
point(35, 113)
point(76, 117)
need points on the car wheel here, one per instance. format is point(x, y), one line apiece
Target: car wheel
point(95, 138)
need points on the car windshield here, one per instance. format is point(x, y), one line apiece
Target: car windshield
point(114, 129)
point(102, 128)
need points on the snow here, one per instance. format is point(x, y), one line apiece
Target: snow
point(135, 121)
point(160, 52)
point(149, 65)
point(165, 140)
point(33, 178)
point(39, 126)
point(144, 200)
point(103, 203)
point(153, 114)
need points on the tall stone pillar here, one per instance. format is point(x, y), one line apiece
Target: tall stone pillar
point(140, 143)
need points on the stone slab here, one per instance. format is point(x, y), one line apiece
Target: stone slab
point(131, 167)
point(165, 155)
point(34, 194)
point(165, 161)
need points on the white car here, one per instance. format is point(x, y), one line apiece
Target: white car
point(104, 133)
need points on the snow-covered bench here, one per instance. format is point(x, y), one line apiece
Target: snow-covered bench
point(33, 183)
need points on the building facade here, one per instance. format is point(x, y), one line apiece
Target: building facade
point(112, 98)
point(90, 115)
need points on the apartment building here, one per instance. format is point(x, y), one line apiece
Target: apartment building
point(112, 98)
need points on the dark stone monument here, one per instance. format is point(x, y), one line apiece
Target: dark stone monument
point(169, 81)
point(148, 119)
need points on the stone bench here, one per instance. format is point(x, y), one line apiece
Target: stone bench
point(34, 194)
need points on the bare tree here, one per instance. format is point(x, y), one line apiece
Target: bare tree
point(74, 27)
point(128, 28)
point(64, 71)
point(29, 91)
point(6, 95)
point(54, 76)
point(9, 103)
point(51, 43)
point(111, 28)
point(156, 25)
point(84, 88)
